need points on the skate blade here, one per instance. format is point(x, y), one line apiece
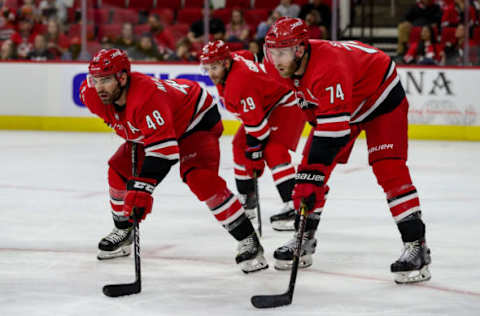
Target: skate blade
point(120, 252)
point(282, 265)
point(254, 265)
point(283, 226)
point(414, 276)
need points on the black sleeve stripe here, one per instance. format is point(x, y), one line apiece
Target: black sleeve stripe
point(334, 115)
point(161, 142)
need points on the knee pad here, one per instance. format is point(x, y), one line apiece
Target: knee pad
point(204, 183)
point(392, 175)
point(276, 154)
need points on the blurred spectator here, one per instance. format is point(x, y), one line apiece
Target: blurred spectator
point(256, 48)
point(145, 50)
point(314, 30)
point(216, 28)
point(57, 43)
point(454, 14)
point(74, 49)
point(127, 39)
point(264, 26)
point(7, 50)
point(24, 37)
point(453, 53)
point(161, 39)
point(286, 8)
point(424, 12)
point(323, 9)
point(7, 22)
point(183, 51)
point(426, 51)
point(237, 29)
point(54, 8)
point(106, 42)
point(40, 51)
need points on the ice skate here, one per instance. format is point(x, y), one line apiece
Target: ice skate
point(284, 254)
point(285, 220)
point(412, 266)
point(116, 244)
point(250, 255)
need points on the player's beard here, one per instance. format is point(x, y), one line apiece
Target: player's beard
point(110, 97)
point(286, 71)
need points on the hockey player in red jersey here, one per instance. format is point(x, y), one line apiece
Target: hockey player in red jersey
point(171, 121)
point(347, 87)
point(271, 125)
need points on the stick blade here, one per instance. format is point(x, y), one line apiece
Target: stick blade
point(115, 290)
point(269, 301)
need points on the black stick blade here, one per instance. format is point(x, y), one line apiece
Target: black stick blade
point(115, 290)
point(269, 301)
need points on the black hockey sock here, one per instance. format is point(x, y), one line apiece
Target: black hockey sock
point(245, 186)
point(312, 221)
point(241, 228)
point(285, 189)
point(412, 228)
point(122, 224)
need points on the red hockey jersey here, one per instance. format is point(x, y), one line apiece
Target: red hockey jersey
point(251, 95)
point(344, 83)
point(157, 113)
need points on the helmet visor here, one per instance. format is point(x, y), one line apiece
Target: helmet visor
point(280, 55)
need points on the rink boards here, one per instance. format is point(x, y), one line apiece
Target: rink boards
point(444, 102)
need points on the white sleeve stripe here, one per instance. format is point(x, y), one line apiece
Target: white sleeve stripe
point(382, 97)
point(259, 127)
point(201, 102)
point(285, 98)
point(200, 117)
point(345, 118)
point(292, 103)
point(331, 134)
point(168, 157)
point(264, 135)
point(239, 167)
point(162, 145)
point(285, 178)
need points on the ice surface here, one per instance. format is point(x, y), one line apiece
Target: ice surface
point(54, 210)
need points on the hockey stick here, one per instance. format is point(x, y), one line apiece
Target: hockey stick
point(269, 301)
point(114, 290)
point(259, 214)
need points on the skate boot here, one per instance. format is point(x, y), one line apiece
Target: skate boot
point(250, 255)
point(116, 244)
point(284, 221)
point(284, 254)
point(412, 266)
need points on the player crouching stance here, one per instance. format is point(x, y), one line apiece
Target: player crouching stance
point(271, 125)
point(347, 87)
point(170, 120)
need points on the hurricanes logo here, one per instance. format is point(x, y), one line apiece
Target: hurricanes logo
point(294, 25)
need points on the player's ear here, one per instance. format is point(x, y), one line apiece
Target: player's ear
point(300, 51)
point(123, 79)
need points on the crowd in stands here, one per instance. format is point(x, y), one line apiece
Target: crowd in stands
point(434, 33)
point(149, 30)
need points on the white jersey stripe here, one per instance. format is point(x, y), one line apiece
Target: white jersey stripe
point(401, 216)
point(403, 199)
point(162, 145)
point(159, 155)
point(253, 129)
point(345, 118)
point(225, 206)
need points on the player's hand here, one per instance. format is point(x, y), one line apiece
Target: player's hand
point(254, 163)
point(309, 189)
point(138, 198)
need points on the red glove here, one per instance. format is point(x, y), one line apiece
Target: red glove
point(254, 162)
point(308, 189)
point(138, 198)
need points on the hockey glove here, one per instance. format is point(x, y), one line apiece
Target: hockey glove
point(138, 198)
point(254, 163)
point(308, 189)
